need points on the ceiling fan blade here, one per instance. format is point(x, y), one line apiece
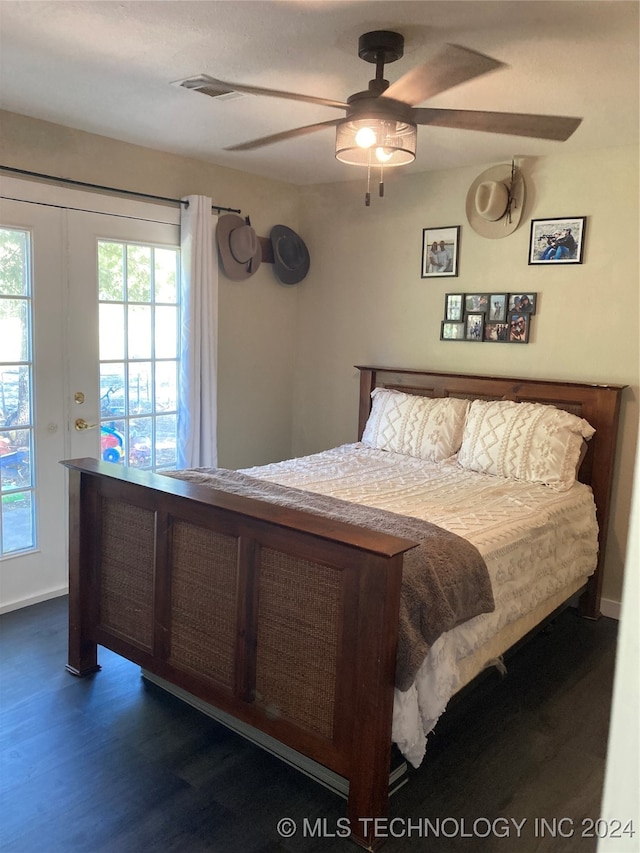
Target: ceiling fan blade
point(209, 85)
point(558, 128)
point(286, 134)
point(454, 64)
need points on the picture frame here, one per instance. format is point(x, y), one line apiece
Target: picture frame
point(473, 326)
point(495, 333)
point(451, 331)
point(454, 307)
point(557, 241)
point(519, 325)
point(522, 303)
point(474, 302)
point(497, 311)
point(440, 251)
point(500, 318)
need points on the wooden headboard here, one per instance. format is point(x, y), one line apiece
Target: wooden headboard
point(598, 404)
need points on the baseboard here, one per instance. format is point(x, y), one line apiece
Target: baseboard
point(33, 599)
point(610, 608)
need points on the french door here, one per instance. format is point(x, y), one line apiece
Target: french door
point(32, 422)
point(89, 318)
point(125, 326)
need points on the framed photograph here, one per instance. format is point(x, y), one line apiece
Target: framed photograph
point(454, 306)
point(557, 241)
point(476, 302)
point(451, 331)
point(440, 247)
point(523, 303)
point(519, 328)
point(497, 333)
point(497, 312)
point(473, 325)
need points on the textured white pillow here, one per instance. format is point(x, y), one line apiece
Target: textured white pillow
point(426, 427)
point(523, 441)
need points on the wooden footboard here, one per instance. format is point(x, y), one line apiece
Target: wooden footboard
point(285, 620)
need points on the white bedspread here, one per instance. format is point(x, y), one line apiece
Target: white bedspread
point(534, 540)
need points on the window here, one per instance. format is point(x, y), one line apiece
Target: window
point(139, 293)
point(17, 488)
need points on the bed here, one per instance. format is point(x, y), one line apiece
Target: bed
point(201, 586)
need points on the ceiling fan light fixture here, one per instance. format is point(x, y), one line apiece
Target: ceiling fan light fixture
point(394, 141)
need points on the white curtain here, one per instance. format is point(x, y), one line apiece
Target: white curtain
point(197, 409)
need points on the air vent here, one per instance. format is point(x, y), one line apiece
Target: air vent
point(208, 86)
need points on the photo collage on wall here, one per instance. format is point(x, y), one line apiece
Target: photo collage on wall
point(488, 317)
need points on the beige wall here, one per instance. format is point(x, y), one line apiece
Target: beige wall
point(364, 301)
point(257, 317)
point(287, 384)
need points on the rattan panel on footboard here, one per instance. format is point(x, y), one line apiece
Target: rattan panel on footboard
point(298, 619)
point(203, 601)
point(127, 539)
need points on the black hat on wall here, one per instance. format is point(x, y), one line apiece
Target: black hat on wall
point(290, 255)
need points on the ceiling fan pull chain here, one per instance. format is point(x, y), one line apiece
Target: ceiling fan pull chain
point(381, 184)
point(367, 195)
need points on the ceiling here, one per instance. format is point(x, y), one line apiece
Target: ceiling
point(107, 68)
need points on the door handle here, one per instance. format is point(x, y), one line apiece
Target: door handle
point(81, 424)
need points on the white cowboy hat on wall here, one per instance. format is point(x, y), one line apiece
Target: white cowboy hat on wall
point(495, 201)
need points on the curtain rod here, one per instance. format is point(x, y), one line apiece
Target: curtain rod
point(109, 189)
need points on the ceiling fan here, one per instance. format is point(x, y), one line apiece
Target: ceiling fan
point(380, 126)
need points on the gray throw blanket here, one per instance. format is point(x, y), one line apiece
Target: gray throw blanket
point(444, 581)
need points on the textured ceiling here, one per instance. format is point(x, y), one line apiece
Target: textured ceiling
point(107, 68)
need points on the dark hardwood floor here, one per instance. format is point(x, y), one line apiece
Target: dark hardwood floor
point(107, 765)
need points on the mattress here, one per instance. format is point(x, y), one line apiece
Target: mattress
point(539, 546)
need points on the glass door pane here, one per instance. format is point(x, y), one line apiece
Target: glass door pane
point(17, 487)
point(139, 308)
